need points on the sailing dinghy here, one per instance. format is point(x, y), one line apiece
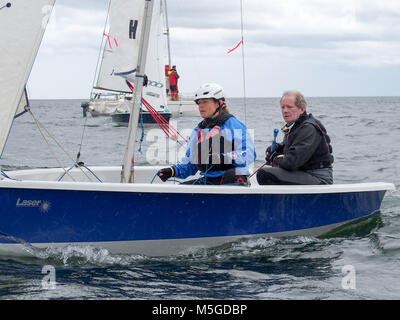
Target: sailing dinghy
point(119, 209)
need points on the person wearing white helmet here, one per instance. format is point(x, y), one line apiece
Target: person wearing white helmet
point(220, 146)
point(211, 101)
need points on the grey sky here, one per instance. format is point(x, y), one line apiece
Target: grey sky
point(321, 47)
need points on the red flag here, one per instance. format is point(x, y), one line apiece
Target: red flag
point(240, 42)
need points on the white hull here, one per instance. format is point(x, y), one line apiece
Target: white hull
point(105, 108)
point(110, 177)
point(183, 108)
point(180, 108)
point(157, 248)
point(163, 219)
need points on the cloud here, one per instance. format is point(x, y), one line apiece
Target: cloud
point(75, 28)
point(209, 27)
point(326, 47)
point(319, 27)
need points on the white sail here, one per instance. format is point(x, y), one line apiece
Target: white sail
point(120, 53)
point(22, 24)
point(155, 93)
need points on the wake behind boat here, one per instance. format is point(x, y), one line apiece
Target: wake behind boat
point(99, 207)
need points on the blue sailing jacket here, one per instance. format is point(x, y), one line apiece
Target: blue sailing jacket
point(241, 155)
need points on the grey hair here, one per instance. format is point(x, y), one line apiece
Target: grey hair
point(300, 100)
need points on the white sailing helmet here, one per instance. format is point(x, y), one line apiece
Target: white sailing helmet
point(209, 91)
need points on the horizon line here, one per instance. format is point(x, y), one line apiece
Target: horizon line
point(254, 97)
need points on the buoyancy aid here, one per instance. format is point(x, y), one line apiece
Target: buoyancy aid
point(211, 147)
point(173, 77)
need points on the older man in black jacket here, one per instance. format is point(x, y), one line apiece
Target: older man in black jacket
point(305, 155)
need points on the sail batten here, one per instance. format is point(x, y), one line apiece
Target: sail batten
point(22, 26)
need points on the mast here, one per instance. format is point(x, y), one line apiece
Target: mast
point(167, 32)
point(127, 173)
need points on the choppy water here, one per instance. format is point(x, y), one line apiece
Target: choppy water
point(365, 134)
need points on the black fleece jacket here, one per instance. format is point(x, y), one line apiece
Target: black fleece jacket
point(303, 145)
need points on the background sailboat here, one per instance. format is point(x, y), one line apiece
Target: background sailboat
point(111, 94)
point(118, 63)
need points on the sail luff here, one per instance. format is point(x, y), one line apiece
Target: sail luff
point(22, 26)
point(101, 52)
point(127, 174)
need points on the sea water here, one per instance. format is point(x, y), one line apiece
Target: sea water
point(359, 263)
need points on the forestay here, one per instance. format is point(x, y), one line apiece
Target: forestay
point(20, 38)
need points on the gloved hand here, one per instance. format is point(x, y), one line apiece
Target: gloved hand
point(269, 157)
point(166, 173)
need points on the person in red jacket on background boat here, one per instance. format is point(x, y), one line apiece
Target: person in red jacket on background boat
point(173, 77)
point(167, 79)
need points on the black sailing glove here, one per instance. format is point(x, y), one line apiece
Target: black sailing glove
point(166, 173)
point(269, 156)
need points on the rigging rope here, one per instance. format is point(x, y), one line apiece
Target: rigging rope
point(28, 109)
point(169, 130)
point(40, 127)
point(101, 46)
point(80, 145)
point(243, 65)
point(142, 129)
point(165, 126)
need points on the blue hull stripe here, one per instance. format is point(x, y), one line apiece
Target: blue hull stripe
point(42, 216)
point(147, 117)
